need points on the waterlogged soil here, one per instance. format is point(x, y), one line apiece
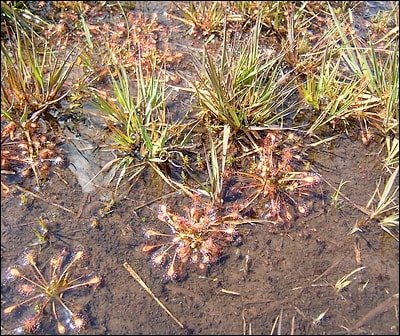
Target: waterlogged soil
point(291, 274)
point(282, 282)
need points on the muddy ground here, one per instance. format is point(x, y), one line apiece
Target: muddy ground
point(290, 274)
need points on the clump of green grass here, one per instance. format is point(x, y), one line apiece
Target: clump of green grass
point(274, 14)
point(251, 10)
point(391, 160)
point(215, 158)
point(334, 97)
point(380, 70)
point(373, 99)
point(287, 18)
point(244, 88)
point(142, 134)
point(32, 79)
point(359, 84)
point(17, 13)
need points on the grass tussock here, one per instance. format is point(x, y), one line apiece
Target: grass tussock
point(33, 78)
point(356, 84)
point(141, 131)
point(244, 89)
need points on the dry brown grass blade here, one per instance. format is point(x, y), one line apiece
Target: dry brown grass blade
point(230, 292)
point(293, 327)
point(357, 251)
point(148, 290)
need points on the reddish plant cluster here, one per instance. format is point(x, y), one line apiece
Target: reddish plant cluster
point(26, 152)
point(127, 39)
point(198, 239)
point(46, 296)
point(276, 179)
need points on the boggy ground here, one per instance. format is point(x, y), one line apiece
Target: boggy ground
point(282, 281)
point(292, 274)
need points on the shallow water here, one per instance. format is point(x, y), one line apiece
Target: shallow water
point(286, 279)
point(293, 272)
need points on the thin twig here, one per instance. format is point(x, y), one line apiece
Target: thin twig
point(244, 321)
point(43, 199)
point(274, 325)
point(147, 289)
